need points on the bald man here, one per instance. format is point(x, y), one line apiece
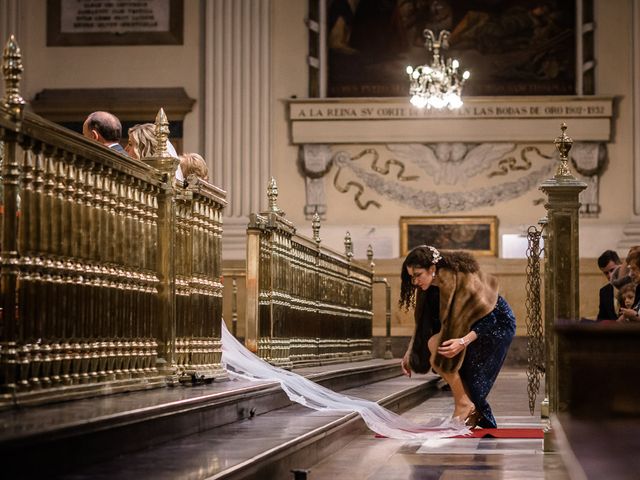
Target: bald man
point(104, 128)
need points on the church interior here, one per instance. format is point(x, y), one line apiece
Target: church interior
point(337, 136)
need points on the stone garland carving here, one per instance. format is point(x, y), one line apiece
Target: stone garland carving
point(511, 164)
point(444, 163)
point(436, 202)
point(385, 170)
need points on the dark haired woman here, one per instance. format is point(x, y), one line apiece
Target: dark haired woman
point(463, 327)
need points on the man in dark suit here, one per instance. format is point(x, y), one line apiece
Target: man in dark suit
point(608, 308)
point(104, 128)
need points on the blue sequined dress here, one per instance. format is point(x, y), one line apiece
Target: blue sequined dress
point(484, 357)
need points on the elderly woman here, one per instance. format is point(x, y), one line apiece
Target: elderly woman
point(194, 164)
point(463, 327)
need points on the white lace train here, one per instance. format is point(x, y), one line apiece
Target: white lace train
point(240, 362)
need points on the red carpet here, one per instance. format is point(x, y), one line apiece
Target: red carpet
point(498, 433)
point(504, 433)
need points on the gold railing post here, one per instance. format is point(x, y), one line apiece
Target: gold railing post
point(165, 259)
point(9, 270)
point(254, 260)
point(561, 269)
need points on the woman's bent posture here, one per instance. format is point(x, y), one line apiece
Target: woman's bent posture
point(463, 327)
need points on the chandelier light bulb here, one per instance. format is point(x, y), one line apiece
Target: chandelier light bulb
point(439, 84)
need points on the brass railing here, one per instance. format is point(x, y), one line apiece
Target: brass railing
point(90, 262)
point(198, 277)
point(306, 304)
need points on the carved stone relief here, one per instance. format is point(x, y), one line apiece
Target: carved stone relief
point(589, 160)
point(315, 162)
point(401, 179)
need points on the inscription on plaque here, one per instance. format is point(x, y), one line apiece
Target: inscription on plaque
point(114, 16)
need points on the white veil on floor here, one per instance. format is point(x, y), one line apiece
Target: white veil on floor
point(240, 362)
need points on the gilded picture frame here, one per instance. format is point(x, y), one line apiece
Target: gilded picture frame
point(511, 47)
point(476, 234)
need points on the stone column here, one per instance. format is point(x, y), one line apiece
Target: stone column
point(562, 296)
point(237, 110)
point(631, 231)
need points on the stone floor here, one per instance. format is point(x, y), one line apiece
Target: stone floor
point(368, 457)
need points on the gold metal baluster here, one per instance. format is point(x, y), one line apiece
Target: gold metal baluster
point(26, 339)
point(110, 273)
point(90, 284)
point(9, 269)
point(130, 279)
point(152, 326)
point(73, 348)
point(148, 294)
point(138, 254)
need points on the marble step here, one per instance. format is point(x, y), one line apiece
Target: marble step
point(90, 430)
point(267, 446)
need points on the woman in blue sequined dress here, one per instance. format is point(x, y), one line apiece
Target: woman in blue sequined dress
point(463, 327)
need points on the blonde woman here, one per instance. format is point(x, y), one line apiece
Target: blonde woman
point(142, 143)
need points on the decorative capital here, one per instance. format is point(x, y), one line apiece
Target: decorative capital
point(315, 225)
point(563, 144)
point(12, 72)
point(348, 246)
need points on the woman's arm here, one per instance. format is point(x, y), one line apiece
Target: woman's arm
point(452, 347)
point(404, 364)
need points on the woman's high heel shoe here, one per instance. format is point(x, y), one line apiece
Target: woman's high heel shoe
point(472, 419)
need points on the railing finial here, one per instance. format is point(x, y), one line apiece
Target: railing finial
point(348, 246)
point(12, 72)
point(370, 257)
point(272, 194)
point(563, 144)
point(315, 226)
point(162, 133)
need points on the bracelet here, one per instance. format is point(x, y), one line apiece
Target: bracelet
point(462, 342)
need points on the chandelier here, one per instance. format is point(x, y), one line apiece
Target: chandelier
point(440, 84)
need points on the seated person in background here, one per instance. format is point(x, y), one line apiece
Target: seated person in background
point(627, 295)
point(104, 128)
point(142, 143)
point(620, 275)
point(633, 264)
point(194, 164)
point(608, 262)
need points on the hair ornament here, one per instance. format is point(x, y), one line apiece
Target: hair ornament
point(435, 254)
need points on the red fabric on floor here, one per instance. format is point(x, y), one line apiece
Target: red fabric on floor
point(505, 433)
